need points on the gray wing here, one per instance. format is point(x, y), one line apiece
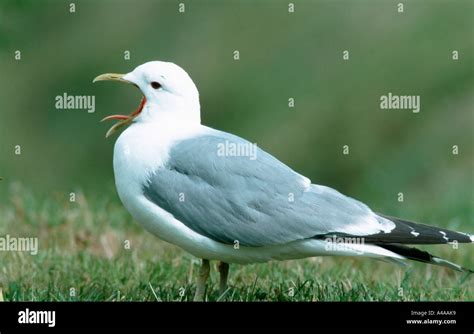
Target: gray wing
point(217, 190)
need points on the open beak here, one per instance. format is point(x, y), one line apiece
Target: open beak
point(123, 120)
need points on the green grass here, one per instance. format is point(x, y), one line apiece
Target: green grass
point(81, 247)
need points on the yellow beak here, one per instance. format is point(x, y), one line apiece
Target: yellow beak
point(110, 77)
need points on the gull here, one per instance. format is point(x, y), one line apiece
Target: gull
point(174, 177)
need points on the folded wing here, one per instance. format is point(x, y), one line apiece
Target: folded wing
point(217, 190)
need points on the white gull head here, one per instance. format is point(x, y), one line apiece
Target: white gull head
point(169, 96)
point(169, 92)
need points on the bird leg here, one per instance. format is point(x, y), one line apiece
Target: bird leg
point(224, 273)
point(201, 281)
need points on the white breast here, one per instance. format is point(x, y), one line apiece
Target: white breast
point(139, 151)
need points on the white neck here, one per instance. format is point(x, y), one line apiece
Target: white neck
point(172, 110)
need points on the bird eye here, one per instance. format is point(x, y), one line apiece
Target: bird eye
point(155, 84)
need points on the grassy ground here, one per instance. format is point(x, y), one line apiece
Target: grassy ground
point(83, 256)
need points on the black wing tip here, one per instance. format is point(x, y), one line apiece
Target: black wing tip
point(409, 232)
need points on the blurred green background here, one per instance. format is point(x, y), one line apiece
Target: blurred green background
point(282, 56)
